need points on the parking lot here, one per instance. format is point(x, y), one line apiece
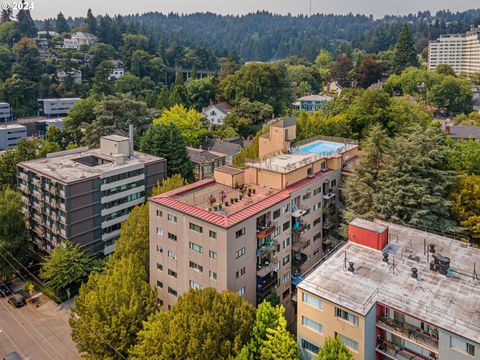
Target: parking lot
point(36, 333)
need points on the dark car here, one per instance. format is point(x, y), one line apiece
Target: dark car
point(17, 300)
point(5, 290)
point(12, 356)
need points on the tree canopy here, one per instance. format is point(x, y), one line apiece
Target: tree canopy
point(334, 349)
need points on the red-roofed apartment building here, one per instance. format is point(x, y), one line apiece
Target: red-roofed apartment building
point(252, 230)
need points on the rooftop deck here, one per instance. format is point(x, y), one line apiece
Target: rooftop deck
point(450, 302)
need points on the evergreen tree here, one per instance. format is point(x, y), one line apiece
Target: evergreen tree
point(25, 24)
point(13, 234)
point(91, 22)
point(6, 16)
point(166, 140)
point(47, 26)
point(334, 349)
point(179, 96)
point(203, 325)
point(61, 24)
point(405, 53)
point(111, 308)
point(28, 64)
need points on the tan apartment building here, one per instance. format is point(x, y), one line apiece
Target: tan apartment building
point(84, 195)
point(252, 230)
point(393, 292)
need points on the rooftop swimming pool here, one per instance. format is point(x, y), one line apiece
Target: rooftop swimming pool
point(321, 147)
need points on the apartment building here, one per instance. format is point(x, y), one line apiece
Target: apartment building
point(84, 195)
point(43, 125)
point(11, 134)
point(5, 111)
point(460, 51)
point(252, 230)
point(393, 292)
point(55, 107)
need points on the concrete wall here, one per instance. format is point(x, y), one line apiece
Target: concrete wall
point(448, 353)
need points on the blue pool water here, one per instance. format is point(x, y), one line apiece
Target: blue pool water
point(321, 147)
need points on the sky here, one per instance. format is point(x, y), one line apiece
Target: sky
point(378, 8)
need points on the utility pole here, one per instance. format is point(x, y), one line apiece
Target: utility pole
point(310, 11)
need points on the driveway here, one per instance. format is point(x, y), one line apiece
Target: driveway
point(37, 333)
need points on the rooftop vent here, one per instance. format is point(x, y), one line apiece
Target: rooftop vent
point(432, 248)
point(414, 273)
point(385, 257)
point(350, 267)
point(440, 263)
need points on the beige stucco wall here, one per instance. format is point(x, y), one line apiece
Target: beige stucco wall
point(229, 179)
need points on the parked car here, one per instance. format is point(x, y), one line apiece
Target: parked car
point(17, 300)
point(5, 290)
point(12, 356)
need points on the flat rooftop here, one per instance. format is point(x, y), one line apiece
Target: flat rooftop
point(66, 168)
point(451, 303)
point(12, 127)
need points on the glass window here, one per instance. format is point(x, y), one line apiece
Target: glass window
point(159, 213)
point(196, 247)
point(239, 253)
point(172, 273)
point(278, 231)
point(286, 260)
point(212, 275)
point(172, 236)
point(286, 226)
point(352, 319)
point(196, 228)
point(333, 183)
point(212, 234)
point(242, 291)
point(159, 231)
point(159, 284)
point(307, 345)
point(212, 254)
point(286, 242)
point(312, 325)
point(194, 285)
point(240, 272)
point(286, 208)
point(312, 300)
point(240, 233)
point(462, 345)
point(172, 218)
point(172, 291)
point(351, 344)
point(276, 214)
point(196, 267)
point(286, 277)
point(159, 266)
point(171, 254)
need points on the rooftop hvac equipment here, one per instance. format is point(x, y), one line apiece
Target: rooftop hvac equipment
point(350, 267)
point(440, 263)
point(414, 273)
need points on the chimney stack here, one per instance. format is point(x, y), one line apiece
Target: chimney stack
point(130, 131)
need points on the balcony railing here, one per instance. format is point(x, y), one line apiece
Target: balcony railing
point(299, 245)
point(264, 231)
point(265, 285)
point(299, 259)
point(268, 246)
point(396, 352)
point(267, 267)
point(409, 333)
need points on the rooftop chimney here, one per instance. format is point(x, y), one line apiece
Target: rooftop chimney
point(130, 132)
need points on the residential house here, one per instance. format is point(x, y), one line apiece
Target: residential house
point(205, 162)
point(311, 103)
point(215, 113)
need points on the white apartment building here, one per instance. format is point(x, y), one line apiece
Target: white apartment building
point(11, 134)
point(5, 111)
point(55, 107)
point(460, 51)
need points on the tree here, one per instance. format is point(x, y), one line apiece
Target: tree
point(13, 234)
point(340, 70)
point(189, 121)
point(100, 52)
point(28, 64)
point(128, 83)
point(166, 140)
point(61, 25)
point(25, 24)
point(178, 96)
point(466, 205)
point(91, 22)
point(103, 81)
point(248, 117)
point(369, 72)
point(6, 16)
point(465, 156)
point(304, 79)
point(81, 113)
point(5, 62)
point(111, 308)
point(453, 94)
point(200, 91)
point(139, 60)
point(203, 325)
point(324, 58)
point(65, 266)
point(360, 188)
point(405, 53)
point(170, 183)
point(269, 338)
point(334, 349)
point(134, 237)
point(445, 69)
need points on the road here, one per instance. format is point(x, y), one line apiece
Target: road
point(35, 333)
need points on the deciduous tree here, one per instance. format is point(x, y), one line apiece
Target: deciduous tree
point(466, 205)
point(170, 183)
point(334, 349)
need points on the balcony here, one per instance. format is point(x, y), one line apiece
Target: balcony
point(25, 200)
point(267, 267)
point(299, 259)
point(264, 231)
point(328, 223)
point(266, 284)
point(24, 188)
point(410, 333)
point(23, 176)
point(298, 213)
point(268, 245)
point(299, 244)
point(329, 195)
point(396, 352)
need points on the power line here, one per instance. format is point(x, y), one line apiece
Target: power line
point(53, 293)
point(17, 348)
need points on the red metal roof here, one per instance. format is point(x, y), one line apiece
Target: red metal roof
point(226, 221)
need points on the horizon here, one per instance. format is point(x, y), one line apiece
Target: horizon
point(377, 8)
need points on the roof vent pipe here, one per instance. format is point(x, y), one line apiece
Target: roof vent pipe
point(385, 257)
point(432, 248)
point(130, 132)
point(350, 267)
point(414, 273)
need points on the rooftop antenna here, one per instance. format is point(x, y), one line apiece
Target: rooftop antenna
point(345, 260)
point(393, 267)
point(310, 12)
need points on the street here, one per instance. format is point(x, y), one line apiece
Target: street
point(36, 333)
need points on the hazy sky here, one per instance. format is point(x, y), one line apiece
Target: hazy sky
point(49, 8)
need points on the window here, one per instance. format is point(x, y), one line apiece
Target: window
point(240, 233)
point(312, 300)
point(317, 190)
point(286, 243)
point(317, 236)
point(239, 253)
point(286, 208)
point(306, 196)
point(351, 344)
point(212, 254)
point(159, 231)
point(307, 345)
point(172, 291)
point(462, 345)
point(278, 231)
point(317, 251)
point(352, 319)
point(212, 234)
point(317, 221)
point(171, 254)
point(196, 228)
point(286, 277)
point(159, 266)
point(196, 247)
point(196, 267)
point(312, 325)
point(159, 249)
point(242, 291)
point(317, 206)
point(285, 294)
point(276, 214)
point(172, 273)
point(286, 260)
point(172, 236)
point(212, 275)
point(172, 218)
point(240, 272)
point(333, 183)
point(159, 284)
point(286, 226)
point(309, 171)
point(194, 285)
point(323, 165)
point(159, 213)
